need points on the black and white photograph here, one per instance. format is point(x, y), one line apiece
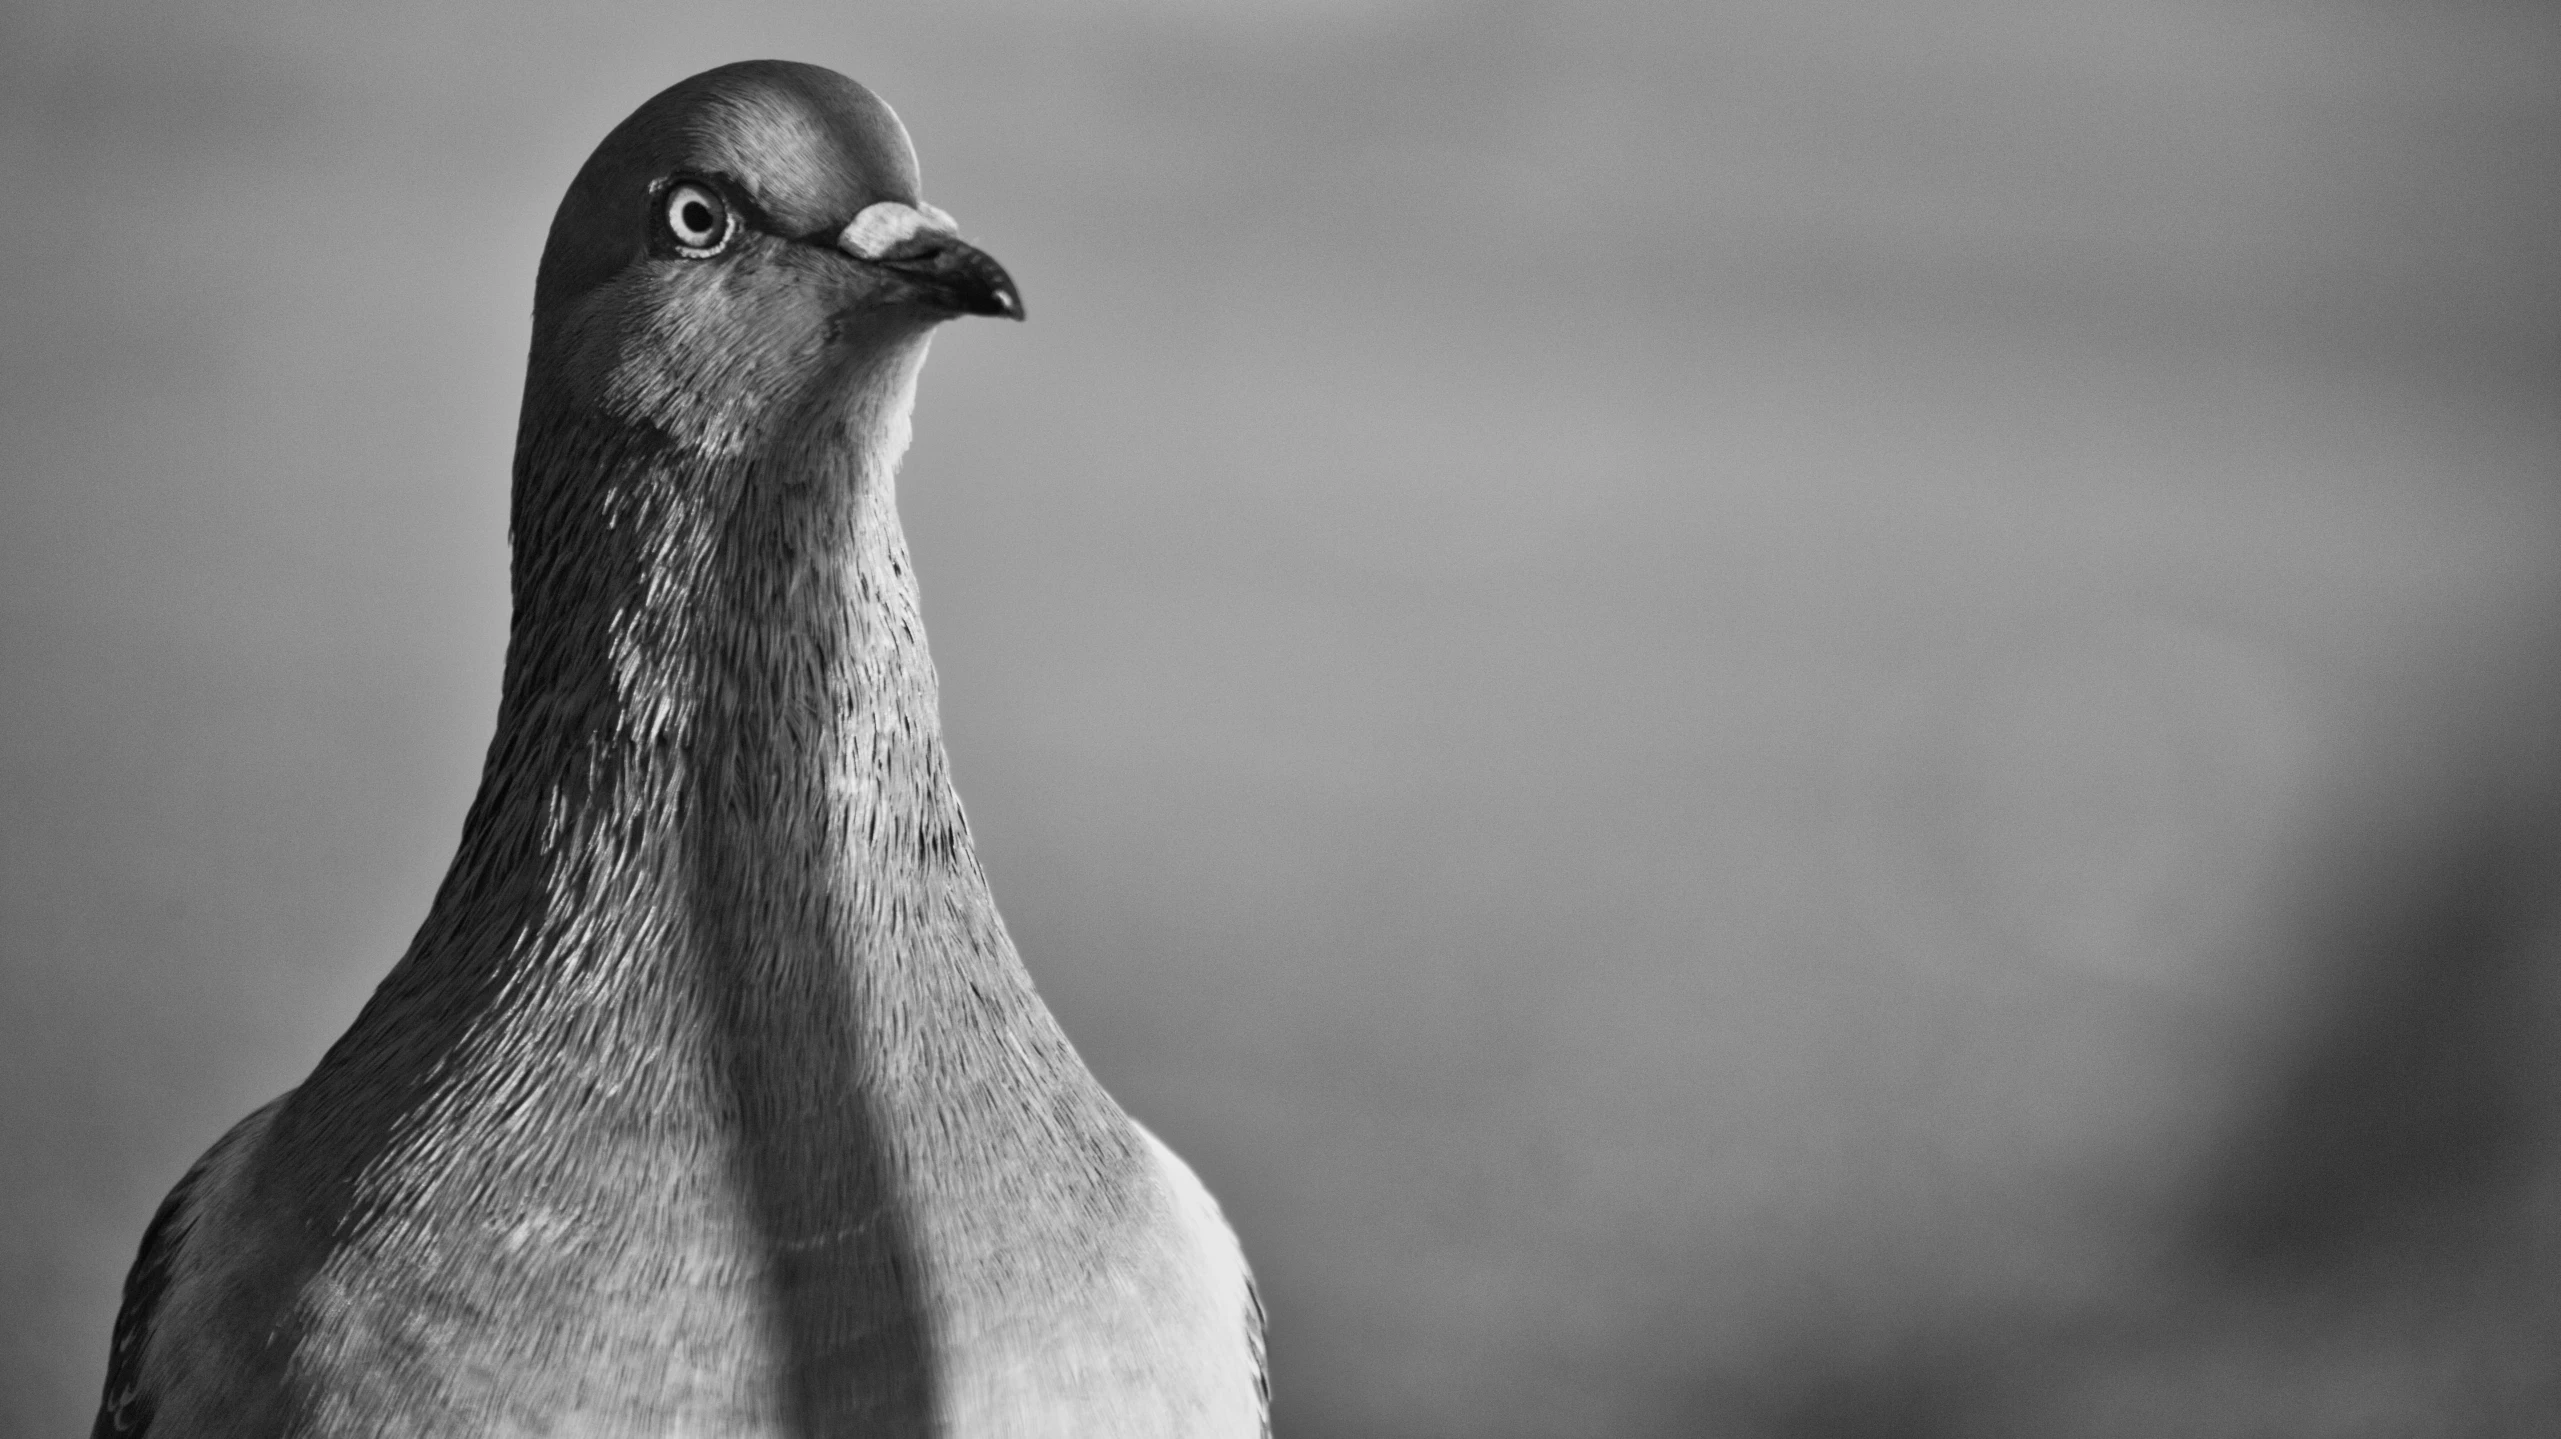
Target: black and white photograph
point(1337, 719)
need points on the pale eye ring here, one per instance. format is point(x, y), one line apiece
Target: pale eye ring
point(697, 219)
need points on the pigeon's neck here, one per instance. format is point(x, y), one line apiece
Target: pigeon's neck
point(717, 806)
point(715, 985)
point(742, 681)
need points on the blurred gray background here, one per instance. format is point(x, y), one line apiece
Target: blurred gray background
point(1779, 720)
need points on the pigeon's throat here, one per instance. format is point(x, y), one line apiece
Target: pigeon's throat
point(672, 590)
point(713, 651)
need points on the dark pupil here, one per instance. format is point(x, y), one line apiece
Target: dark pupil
point(696, 217)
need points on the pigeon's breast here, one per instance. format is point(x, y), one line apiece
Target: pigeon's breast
point(638, 1283)
point(626, 1294)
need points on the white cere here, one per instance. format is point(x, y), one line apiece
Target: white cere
point(882, 226)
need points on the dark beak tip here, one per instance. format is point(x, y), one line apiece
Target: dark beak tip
point(972, 282)
point(952, 276)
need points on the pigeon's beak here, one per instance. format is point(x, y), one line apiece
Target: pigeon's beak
point(917, 244)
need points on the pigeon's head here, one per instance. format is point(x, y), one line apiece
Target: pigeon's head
point(748, 242)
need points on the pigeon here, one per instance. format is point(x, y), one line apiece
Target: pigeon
point(712, 1097)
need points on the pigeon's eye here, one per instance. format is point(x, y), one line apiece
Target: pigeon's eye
point(697, 219)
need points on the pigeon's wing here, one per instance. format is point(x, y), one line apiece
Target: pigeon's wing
point(124, 1412)
point(1254, 1326)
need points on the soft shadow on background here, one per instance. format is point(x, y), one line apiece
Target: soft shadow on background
point(1778, 720)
